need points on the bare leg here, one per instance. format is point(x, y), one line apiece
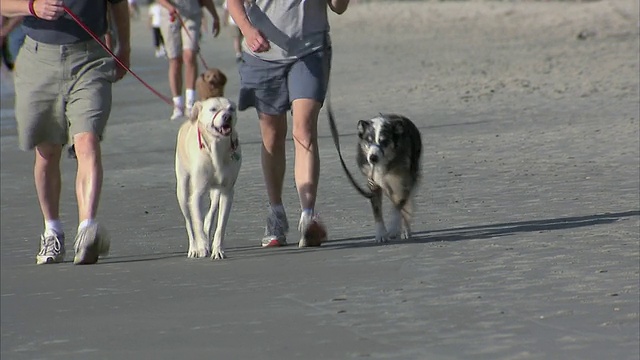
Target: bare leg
point(274, 132)
point(307, 158)
point(46, 173)
point(190, 68)
point(175, 76)
point(89, 175)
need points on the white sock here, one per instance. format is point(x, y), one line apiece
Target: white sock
point(307, 212)
point(190, 96)
point(177, 102)
point(86, 223)
point(54, 225)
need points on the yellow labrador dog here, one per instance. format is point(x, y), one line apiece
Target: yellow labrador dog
point(208, 160)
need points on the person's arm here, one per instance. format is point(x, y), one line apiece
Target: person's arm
point(208, 4)
point(255, 40)
point(338, 6)
point(120, 12)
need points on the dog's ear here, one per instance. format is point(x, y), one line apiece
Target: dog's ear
point(195, 111)
point(363, 125)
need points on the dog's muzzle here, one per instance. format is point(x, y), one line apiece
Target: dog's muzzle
point(225, 128)
point(374, 154)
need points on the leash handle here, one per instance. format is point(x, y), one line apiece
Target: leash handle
point(120, 63)
point(336, 140)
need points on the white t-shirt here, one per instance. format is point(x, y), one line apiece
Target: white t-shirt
point(155, 10)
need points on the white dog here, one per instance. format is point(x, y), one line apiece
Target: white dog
point(208, 160)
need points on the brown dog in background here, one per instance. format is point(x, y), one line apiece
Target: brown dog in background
point(211, 84)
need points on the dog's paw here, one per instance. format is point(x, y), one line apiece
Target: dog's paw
point(406, 234)
point(381, 234)
point(197, 253)
point(218, 254)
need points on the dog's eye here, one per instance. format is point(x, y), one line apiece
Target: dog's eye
point(213, 109)
point(384, 142)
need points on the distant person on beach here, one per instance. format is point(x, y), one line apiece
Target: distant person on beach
point(63, 91)
point(285, 66)
point(236, 34)
point(155, 21)
point(181, 21)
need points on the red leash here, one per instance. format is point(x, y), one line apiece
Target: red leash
point(96, 38)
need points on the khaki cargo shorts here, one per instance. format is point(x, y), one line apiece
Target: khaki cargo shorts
point(61, 91)
point(176, 38)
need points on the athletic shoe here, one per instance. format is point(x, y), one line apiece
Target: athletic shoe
point(178, 113)
point(275, 231)
point(91, 242)
point(313, 232)
point(51, 248)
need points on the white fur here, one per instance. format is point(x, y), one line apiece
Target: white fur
point(212, 169)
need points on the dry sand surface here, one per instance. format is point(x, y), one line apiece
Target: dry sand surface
point(527, 221)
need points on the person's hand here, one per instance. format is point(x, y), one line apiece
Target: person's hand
point(124, 55)
point(216, 26)
point(173, 12)
point(48, 9)
point(256, 41)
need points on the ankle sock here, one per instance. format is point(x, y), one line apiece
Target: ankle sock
point(86, 223)
point(190, 97)
point(177, 102)
point(55, 225)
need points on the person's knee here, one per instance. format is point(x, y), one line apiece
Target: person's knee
point(189, 57)
point(274, 130)
point(87, 145)
point(49, 153)
point(175, 63)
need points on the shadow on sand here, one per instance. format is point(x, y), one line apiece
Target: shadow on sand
point(443, 235)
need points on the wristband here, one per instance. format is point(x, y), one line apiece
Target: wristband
point(32, 10)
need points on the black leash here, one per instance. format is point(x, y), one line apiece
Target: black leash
point(336, 141)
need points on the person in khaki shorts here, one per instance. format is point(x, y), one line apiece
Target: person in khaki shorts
point(181, 46)
point(63, 92)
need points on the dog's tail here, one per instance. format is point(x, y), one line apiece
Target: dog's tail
point(336, 141)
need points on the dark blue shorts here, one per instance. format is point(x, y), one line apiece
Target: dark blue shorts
point(271, 86)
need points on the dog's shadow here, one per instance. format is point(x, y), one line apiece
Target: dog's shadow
point(478, 232)
point(489, 231)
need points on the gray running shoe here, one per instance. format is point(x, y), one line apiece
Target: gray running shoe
point(275, 231)
point(91, 242)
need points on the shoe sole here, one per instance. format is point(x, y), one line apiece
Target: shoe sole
point(43, 260)
point(274, 243)
point(314, 236)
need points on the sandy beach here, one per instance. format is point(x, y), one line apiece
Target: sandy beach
point(527, 228)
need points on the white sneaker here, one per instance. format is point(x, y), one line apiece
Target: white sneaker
point(91, 242)
point(160, 52)
point(51, 248)
point(312, 231)
point(178, 113)
point(275, 231)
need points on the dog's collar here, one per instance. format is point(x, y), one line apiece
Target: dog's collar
point(200, 144)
